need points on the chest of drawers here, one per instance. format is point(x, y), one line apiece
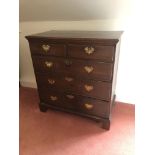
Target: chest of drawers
point(76, 71)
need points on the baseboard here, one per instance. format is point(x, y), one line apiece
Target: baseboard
point(29, 84)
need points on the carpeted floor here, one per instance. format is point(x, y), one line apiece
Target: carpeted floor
point(58, 133)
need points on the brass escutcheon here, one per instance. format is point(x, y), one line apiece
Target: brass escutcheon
point(68, 79)
point(89, 50)
point(88, 69)
point(88, 106)
point(88, 88)
point(53, 98)
point(48, 64)
point(51, 81)
point(70, 96)
point(45, 47)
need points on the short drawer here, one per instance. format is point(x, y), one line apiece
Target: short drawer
point(89, 88)
point(76, 103)
point(79, 68)
point(105, 53)
point(45, 48)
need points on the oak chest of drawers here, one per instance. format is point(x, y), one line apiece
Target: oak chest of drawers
point(76, 71)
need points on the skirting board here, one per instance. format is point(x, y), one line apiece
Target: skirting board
point(30, 84)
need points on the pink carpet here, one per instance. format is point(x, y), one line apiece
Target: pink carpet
point(58, 133)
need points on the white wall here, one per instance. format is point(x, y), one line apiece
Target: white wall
point(71, 10)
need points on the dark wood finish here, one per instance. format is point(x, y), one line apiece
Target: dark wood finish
point(101, 70)
point(76, 71)
point(75, 102)
point(104, 53)
point(98, 89)
point(42, 107)
point(54, 49)
point(74, 35)
point(106, 124)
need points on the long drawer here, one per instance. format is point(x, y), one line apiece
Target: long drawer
point(96, 89)
point(76, 103)
point(87, 69)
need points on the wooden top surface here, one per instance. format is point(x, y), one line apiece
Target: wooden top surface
point(78, 35)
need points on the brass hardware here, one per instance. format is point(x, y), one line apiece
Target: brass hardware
point(70, 96)
point(89, 50)
point(68, 62)
point(51, 81)
point(88, 106)
point(88, 69)
point(53, 98)
point(46, 47)
point(88, 88)
point(48, 64)
point(69, 79)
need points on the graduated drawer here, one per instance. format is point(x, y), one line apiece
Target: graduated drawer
point(89, 88)
point(105, 53)
point(76, 103)
point(45, 48)
point(80, 68)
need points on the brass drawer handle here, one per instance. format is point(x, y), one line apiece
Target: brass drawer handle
point(88, 88)
point(51, 81)
point(88, 106)
point(68, 79)
point(70, 96)
point(68, 62)
point(88, 69)
point(53, 98)
point(48, 64)
point(89, 50)
point(46, 48)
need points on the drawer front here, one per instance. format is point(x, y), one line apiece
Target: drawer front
point(54, 98)
point(95, 89)
point(79, 68)
point(93, 107)
point(76, 103)
point(105, 53)
point(48, 49)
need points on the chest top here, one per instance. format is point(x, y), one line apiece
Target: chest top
point(79, 35)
